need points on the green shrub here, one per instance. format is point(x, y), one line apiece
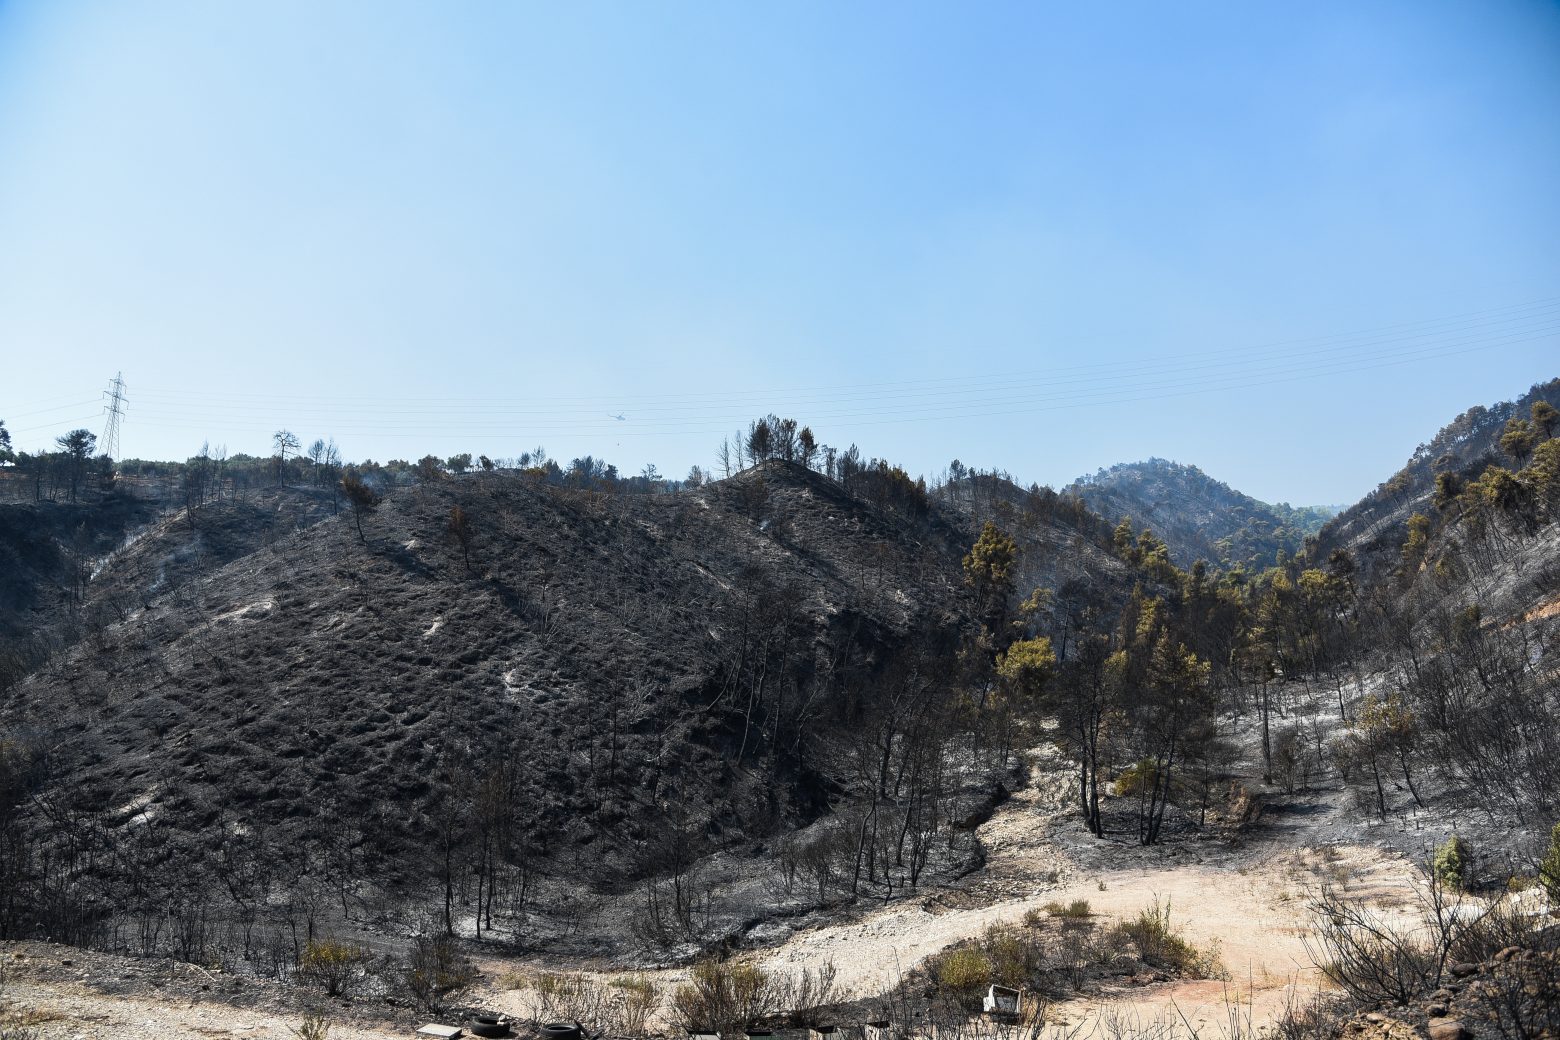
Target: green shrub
point(964, 972)
point(1549, 868)
point(1078, 909)
point(1450, 863)
point(335, 967)
point(726, 996)
point(1136, 779)
point(1011, 958)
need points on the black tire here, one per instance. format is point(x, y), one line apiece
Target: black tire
point(487, 1025)
point(561, 1031)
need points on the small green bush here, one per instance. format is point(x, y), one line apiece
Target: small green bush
point(1451, 862)
point(1549, 868)
point(1520, 882)
point(1012, 957)
point(1136, 778)
point(335, 967)
point(964, 972)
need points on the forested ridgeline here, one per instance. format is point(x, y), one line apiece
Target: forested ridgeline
point(1503, 436)
point(1198, 517)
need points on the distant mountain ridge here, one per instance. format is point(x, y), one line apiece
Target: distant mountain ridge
point(1199, 517)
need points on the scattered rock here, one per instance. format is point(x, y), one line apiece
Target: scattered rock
point(1448, 1029)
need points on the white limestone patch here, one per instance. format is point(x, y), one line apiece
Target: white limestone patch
point(258, 606)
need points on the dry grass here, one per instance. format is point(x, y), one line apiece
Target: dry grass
point(1161, 944)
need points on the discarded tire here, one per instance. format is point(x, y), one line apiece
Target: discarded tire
point(487, 1025)
point(561, 1031)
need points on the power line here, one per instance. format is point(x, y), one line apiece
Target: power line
point(1034, 395)
point(57, 423)
point(1527, 315)
point(56, 408)
point(988, 393)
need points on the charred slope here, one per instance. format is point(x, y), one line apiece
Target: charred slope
point(1375, 528)
point(1459, 608)
point(184, 545)
point(1065, 550)
point(1198, 517)
point(47, 553)
point(68, 570)
point(612, 654)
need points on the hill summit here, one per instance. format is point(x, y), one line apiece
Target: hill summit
point(1198, 517)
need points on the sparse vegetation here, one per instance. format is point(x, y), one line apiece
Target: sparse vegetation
point(1077, 910)
point(11, 1027)
point(313, 1027)
point(964, 972)
point(1161, 944)
point(723, 999)
point(433, 974)
point(731, 996)
point(621, 1007)
point(1065, 948)
point(334, 966)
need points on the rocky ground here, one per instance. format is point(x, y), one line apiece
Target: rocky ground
point(1245, 892)
point(62, 992)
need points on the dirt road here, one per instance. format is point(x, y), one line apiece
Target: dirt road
point(1251, 902)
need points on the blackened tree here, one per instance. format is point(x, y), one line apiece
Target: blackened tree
point(461, 533)
point(283, 443)
point(364, 500)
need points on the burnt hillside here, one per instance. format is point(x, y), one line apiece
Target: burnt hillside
point(1375, 528)
point(614, 655)
point(47, 552)
point(69, 569)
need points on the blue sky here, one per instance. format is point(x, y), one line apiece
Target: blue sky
point(1282, 242)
